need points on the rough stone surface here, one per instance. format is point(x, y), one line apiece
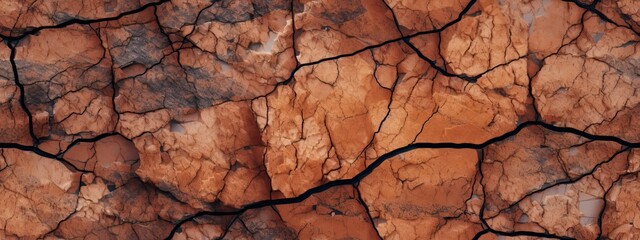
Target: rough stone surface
point(423, 194)
point(37, 192)
point(324, 119)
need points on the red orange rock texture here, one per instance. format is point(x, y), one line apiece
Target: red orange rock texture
point(320, 119)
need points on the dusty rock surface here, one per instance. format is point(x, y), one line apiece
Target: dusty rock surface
point(326, 119)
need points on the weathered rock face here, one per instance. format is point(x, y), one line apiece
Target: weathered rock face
point(554, 182)
point(19, 17)
point(324, 29)
point(37, 192)
point(412, 194)
point(326, 119)
point(195, 156)
point(591, 83)
point(15, 127)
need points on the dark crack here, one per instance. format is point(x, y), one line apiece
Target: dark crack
point(74, 21)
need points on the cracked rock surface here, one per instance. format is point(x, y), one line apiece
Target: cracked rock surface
point(320, 119)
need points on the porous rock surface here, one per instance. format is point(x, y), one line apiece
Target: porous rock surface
point(323, 119)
